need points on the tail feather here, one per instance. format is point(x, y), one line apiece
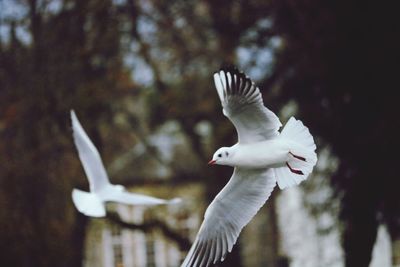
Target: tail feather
point(88, 203)
point(302, 157)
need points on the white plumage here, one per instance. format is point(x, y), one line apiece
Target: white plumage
point(101, 190)
point(262, 157)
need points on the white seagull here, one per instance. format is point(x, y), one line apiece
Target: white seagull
point(262, 157)
point(101, 190)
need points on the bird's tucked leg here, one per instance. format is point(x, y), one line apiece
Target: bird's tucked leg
point(299, 172)
point(297, 157)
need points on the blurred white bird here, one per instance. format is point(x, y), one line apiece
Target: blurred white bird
point(101, 190)
point(262, 157)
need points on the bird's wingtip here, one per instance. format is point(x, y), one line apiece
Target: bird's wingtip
point(230, 68)
point(176, 200)
point(227, 67)
point(74, 118)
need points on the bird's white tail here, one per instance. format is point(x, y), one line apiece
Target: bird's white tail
point(302, 157)
point(88, 204)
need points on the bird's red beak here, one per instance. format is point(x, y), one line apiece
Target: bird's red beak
point(212, 162)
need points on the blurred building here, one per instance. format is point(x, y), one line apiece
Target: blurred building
point(110, 245)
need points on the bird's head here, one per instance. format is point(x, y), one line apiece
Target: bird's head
point(222, 156)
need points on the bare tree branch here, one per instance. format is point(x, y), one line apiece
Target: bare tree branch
point(183, 242)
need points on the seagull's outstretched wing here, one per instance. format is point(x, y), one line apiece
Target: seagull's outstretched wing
point(243, 104)
point(126, 197)
point(89, 157)
point(230, 211)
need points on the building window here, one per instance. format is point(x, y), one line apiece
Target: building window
point(150, 251)
point(116, 240)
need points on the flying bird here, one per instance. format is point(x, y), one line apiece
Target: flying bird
point(262, 157)
point(101, 190)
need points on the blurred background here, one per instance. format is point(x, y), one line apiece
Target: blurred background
point(139, 76)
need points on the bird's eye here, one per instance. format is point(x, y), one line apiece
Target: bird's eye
point(219, 155)
point(227, 153)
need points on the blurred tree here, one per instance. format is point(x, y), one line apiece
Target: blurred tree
point(330, 57)
point(338, 62)
point(70, 61)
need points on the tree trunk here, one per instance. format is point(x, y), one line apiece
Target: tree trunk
point(358, 241)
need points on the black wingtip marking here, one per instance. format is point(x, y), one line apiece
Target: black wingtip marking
point(227, 67)
point(233, 70)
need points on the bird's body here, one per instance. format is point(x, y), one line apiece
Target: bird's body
point(265, 154)
point(262, 158)
point(101, 190)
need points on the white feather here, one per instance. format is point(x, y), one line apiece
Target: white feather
point(231, 210)
point(88, 204)
point(301, 144)
point(242, 104)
